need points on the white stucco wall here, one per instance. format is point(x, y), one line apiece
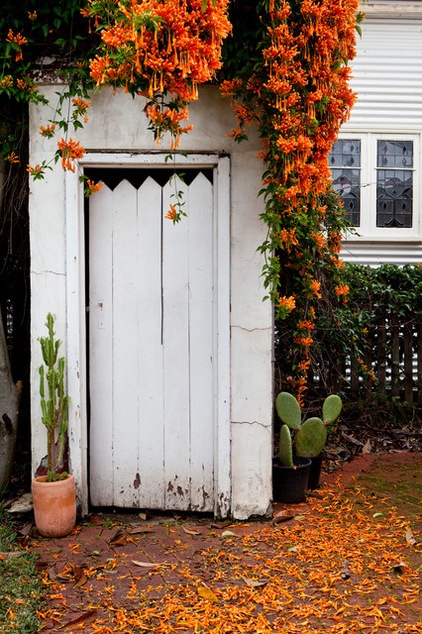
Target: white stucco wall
point(117, 123)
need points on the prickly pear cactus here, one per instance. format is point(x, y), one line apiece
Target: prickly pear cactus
point(285, 452)
point(310, 439)
point(288, 410)
point(331, 408)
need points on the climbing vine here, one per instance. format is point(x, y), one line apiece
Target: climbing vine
point(297, 93)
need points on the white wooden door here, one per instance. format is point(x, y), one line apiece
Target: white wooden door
point(152, 343)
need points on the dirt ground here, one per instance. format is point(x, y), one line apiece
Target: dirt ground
point(347, 560)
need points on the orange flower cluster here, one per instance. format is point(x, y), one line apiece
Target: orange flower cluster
point(48, 130)
point(167, 120)
point(92, 187)
point(69, 150)
point(18, 40)
point(80, 108)
point(286, 305)
point(12, 157)
point(342, 290)
point(159, 47)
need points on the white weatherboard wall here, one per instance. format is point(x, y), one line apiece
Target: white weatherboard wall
point(387, 77)
point(117, 134)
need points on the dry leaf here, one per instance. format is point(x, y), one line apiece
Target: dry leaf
point(255, 583)
point(410, 538)
point(145, 564)
point(282, 516)
point(90, 614)
point(142, 530)
point(207, 593)
point(11, 554)
point(352, 439)
point(228, 534)
point(220, 525)
point(120, 539)
point(367, 447)
point(190, 531)
point(399, 568)
point(82, 579)
point(25, 530)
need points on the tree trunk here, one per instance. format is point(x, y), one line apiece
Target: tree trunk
point(9, 407)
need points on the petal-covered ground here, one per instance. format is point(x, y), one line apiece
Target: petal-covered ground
point(348, 560)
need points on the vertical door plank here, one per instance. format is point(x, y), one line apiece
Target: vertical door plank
point(176, 356)
point(125, 346)
point(100, 332)
point(151, 417)
point(201, 364)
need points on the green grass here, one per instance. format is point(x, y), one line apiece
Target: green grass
point(20, 587)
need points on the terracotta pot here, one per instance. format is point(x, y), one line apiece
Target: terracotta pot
point(54, 506)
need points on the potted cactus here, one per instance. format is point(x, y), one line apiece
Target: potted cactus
point(54, 494)
point(290, 472)
point(310, 435)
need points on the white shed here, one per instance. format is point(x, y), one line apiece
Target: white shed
point(166, 334)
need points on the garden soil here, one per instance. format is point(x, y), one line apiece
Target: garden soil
point(349, 559)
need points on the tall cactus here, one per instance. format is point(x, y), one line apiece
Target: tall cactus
point(54, 401)
point(311, 434)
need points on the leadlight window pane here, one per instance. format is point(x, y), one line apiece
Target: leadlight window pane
point(394, 184)
point(345, 162)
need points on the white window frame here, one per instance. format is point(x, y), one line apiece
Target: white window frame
point(368, 189)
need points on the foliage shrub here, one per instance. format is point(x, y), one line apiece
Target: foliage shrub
point(344, 333)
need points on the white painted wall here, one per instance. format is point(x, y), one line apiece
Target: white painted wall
point(117, 124)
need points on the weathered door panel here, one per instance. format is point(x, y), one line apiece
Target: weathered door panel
point(152, 341)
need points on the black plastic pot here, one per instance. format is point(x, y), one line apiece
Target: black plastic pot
point(290, 484)
point(315, 471)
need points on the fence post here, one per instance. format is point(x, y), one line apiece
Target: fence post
point(419, 359)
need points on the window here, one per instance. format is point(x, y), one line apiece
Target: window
point(394, 183)
point(375, 177)
point(345, 170)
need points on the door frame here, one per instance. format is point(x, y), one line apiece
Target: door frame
point(76, 349)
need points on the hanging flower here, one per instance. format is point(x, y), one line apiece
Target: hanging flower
point(299, 95)
point(160, 49)
point(69, 150)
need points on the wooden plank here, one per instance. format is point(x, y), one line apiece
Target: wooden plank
point(419, 360)
point(124, 353)
point(201, 343)
point(408, 361)
point(100, 329)
point(368, 361)
point(395, 355)
point(381, 354)
point(176, 356)
point(222, 455)
point(151, 399)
